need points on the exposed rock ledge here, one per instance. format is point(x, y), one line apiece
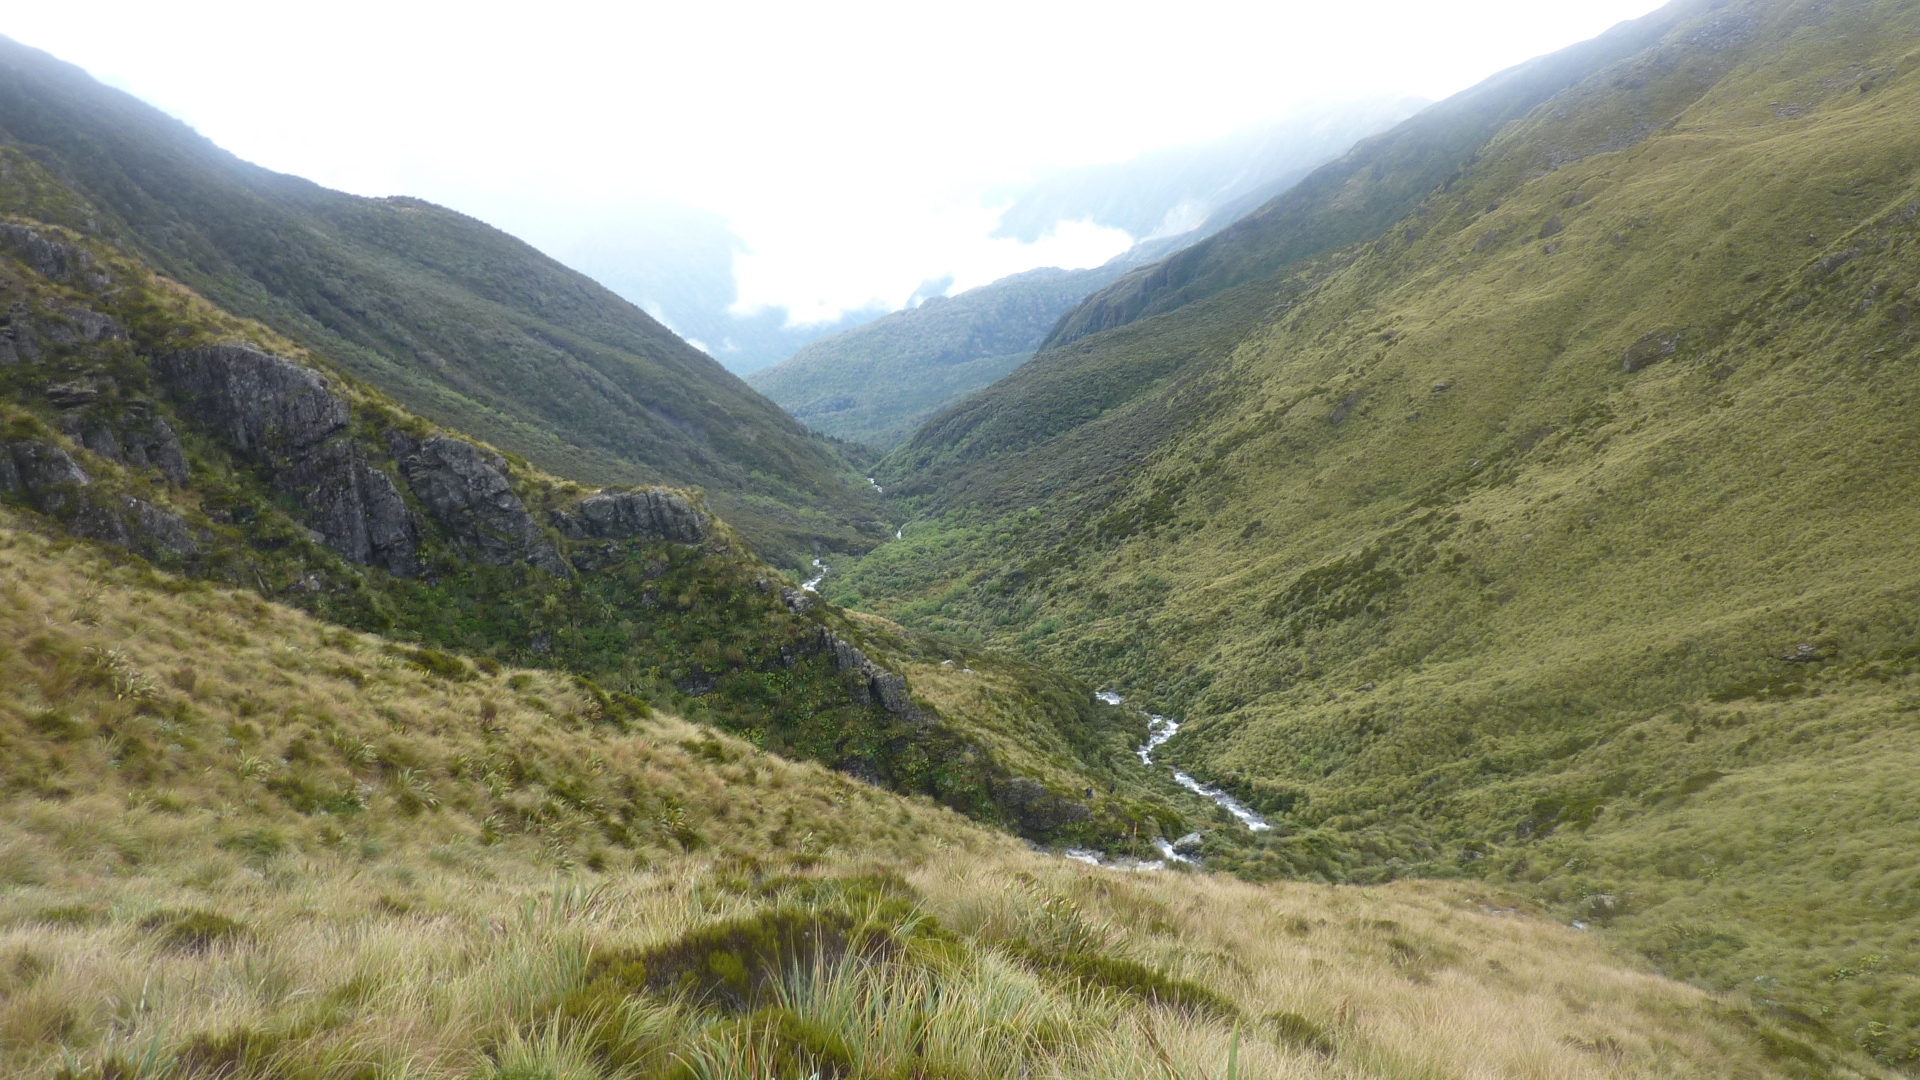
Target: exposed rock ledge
point(655, 512)
point(876, 682)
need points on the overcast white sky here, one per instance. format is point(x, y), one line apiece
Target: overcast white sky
point(857, 148)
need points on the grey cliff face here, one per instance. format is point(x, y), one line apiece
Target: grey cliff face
point(354, 507)
point(41, 473)
point(654, 513)
point(52, 259)
point(135, 438)
point(875, 682)
point(46, 478)
point(466, 490)
point(264, 405)
point(285, 417)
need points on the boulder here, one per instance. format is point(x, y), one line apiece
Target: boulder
point(465, 489)
point(654, 513)
point(1037, 810)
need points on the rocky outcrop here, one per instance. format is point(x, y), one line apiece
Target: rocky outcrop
point(874, 683)
point(355, 507)
point(25, 337)
point(465, 489)
point(61, 262)
point(268, 407)
point(135, 437)
point(43, 476)
point(289, 420)
point(655, 513)
point(40, 474)
point(1037, 810)
point(134, 524)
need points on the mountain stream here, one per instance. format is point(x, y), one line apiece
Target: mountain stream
point(1159, 730)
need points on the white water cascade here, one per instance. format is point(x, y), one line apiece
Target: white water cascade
point(1159, 730)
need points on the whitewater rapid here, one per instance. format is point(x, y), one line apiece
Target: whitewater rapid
point(1159, 730)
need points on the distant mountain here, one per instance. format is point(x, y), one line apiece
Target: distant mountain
point(677, 264)
point(875, 383)
point(458, 321)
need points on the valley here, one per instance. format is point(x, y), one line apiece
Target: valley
point(1456, 618)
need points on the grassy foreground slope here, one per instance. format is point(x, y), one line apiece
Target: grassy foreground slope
point(1561, 535)
point(242, 844)
point(457, 321)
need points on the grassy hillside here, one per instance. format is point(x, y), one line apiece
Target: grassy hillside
point(243, 844)
point(1559, 536)
point(134, 413)
point(1372, 186)
point(457, 321)
point(875, 383)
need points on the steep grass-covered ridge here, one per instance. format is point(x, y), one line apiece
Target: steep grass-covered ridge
point(456, 321)
point(1561, 534)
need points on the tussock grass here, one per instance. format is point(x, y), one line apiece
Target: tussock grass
point(229, 859)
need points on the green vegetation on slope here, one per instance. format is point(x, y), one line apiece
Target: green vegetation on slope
point(134, 413)
point(1561, 535)
point(457, 321)
point(875, 383)
point(239, 844)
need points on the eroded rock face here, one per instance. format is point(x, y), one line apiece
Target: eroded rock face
point(354, 506)
point(136, 525)
point(50, 258)
point(875, 682)
point(466, 490)
point(287, 418)
point(655, 513)
point(41, 474)
point(45, 477)
point(264, 405)
point(135, 437)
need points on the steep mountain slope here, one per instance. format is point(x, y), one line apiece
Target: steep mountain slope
point(875, 383)
point(1372, 186)
point(458, 321)
point(135, 414)
point(239, 844)
point(1561, 534)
